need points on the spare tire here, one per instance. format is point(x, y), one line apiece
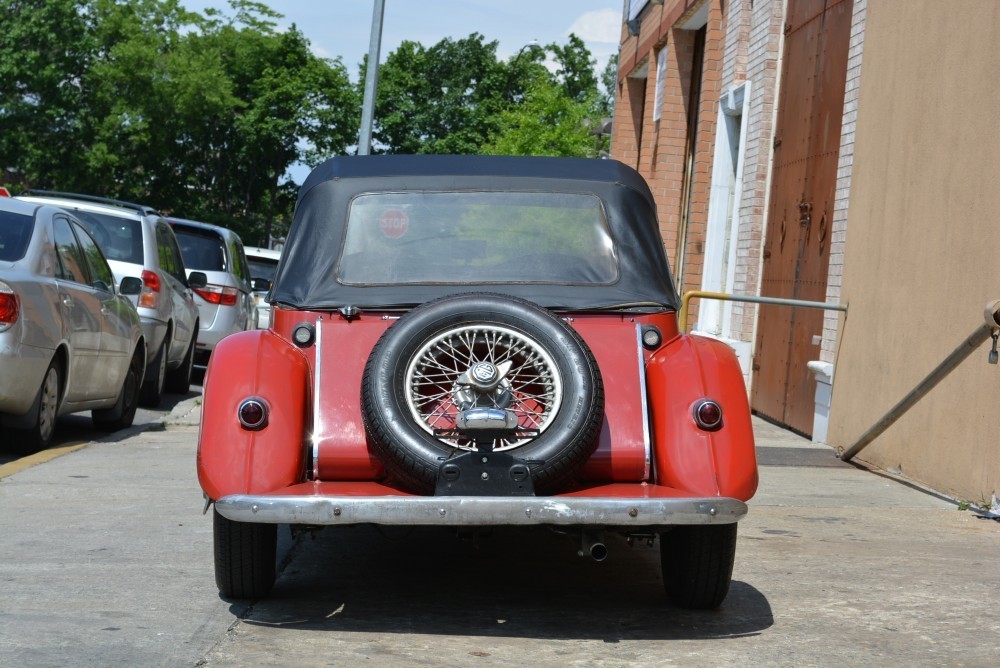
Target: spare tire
point(547, 377)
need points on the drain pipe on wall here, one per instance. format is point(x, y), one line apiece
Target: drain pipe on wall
point(990, 328)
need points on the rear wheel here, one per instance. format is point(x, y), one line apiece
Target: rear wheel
point(44, 410)
point(244, 557)
point(156, 373)
point(697, 563)
point(178, 381)
point(122, 414)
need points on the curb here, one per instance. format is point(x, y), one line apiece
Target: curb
point(185, 413)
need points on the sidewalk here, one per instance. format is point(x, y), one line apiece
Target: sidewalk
point(105, 556)
point(862, 567)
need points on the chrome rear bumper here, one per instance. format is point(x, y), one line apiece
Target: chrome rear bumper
point(479, 511)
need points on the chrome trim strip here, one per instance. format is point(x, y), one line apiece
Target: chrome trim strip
point(317, 416)
point(479, 510)
point(645, 404)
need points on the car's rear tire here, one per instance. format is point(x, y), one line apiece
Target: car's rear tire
point(553, 377)
point(156, 374)
point(44, 410)
point(697, 564)
point(178, 381)
point(122, 414)
point(244, 557)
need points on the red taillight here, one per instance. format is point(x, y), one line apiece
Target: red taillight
point(217, 294)
point(151, 280)
point(707, 414)
point(10, 308)
point(252, 413)
point(4, 192)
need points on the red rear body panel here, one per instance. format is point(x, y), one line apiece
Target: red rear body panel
point(230, 458)
point(315, 441)
point(707, 463)
point(340, 445)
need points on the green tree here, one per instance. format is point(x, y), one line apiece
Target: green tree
point(609, 82)
point(576, 68)
point(46, 47)
point(202, 114)
point(547, 122)
point(442, 99)
point(554, 114)
point(288, 106)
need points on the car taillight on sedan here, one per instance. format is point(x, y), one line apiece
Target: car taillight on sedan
point(218, 294)
point(10, 308)
point(150, 289)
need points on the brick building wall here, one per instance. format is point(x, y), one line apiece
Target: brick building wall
point(658, 148)
point(838, 232)
point(708, 109)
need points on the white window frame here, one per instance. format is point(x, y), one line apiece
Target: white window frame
point(714, 317)
point(661, 74)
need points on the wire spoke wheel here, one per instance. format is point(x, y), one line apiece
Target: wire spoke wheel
point(482, 366)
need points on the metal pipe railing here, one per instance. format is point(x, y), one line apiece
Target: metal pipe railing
point(722, 296)
point(988, 329)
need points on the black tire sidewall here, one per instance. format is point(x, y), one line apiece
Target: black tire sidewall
point(29, 440)
point(122, 414)
point(152, 388)
point(178, 381)
point(414, 455)
point(244, 557)
point(697, 564)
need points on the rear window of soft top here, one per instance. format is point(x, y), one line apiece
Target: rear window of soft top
point(475, 237)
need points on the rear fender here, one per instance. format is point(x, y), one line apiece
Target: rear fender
point(234, 460)
point(706, 463)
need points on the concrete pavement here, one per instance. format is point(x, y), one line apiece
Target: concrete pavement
point(106, 560)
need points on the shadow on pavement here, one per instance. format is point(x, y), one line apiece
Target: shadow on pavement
point(522, 583)
point(76, 428)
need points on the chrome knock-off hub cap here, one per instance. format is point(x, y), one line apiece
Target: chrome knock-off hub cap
point(482, 366)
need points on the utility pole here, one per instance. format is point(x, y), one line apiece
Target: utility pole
point(371, 81)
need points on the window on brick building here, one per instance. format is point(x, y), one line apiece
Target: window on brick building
point(721, 238)
point(661, 75)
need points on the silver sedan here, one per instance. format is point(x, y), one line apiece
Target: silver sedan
point(69, 339)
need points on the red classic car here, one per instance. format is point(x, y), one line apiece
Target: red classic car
point(477, 341)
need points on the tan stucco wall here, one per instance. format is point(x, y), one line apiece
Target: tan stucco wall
point(922, 253)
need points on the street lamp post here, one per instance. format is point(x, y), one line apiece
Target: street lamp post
point(371, 80)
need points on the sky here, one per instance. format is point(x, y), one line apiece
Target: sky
point(342, 28)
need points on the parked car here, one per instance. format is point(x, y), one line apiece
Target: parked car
point(225, 304)
point(473, 341)
point(138, 242)
point(70, 340)
point(263, 265)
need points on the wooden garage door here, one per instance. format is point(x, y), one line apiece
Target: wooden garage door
point(796, 251)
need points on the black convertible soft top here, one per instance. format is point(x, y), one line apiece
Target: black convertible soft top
point(307, 275)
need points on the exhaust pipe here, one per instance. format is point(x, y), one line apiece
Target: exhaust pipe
point(592, 545)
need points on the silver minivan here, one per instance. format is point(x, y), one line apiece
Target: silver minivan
point(226, 303)
point(70, 340)
point(138, 242)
